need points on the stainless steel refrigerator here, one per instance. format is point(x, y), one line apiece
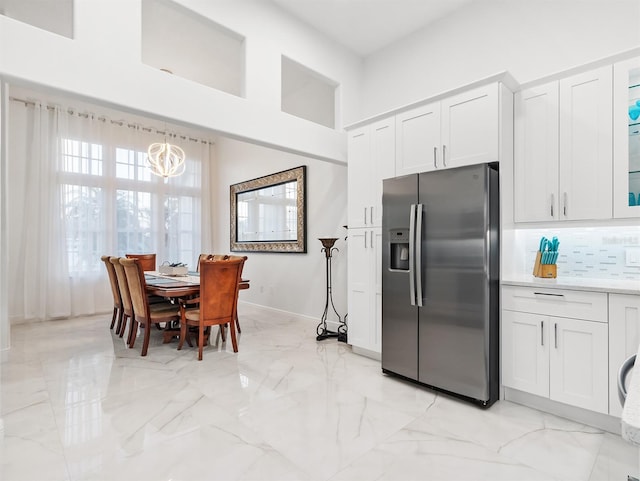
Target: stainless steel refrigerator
point(440, 280)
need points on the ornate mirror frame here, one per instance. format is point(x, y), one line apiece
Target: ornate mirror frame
point(299, 245)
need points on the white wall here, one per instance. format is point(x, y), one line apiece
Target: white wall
point(103, 63)
point(290, 282)
point(530, 39)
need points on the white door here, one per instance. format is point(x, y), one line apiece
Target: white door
point(383, 159)
point(359, 177)
point(470, 127)
point(626, 138)
point(359, 287)
point(579, 363)
point(586, 147)
point(418, 140)
point(525, 356)
point(536, 154)
point(624, 337)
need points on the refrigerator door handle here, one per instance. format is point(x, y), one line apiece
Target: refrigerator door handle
point(412, 241)
point(418, 248)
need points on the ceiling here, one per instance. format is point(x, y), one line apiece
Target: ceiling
point(365, 26)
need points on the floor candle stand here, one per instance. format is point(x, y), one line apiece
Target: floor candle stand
point(321, 330)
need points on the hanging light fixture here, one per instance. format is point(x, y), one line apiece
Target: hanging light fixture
point(165, 160)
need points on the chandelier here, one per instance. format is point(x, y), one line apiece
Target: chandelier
point(165, 160)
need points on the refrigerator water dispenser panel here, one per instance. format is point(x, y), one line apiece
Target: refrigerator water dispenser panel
point(399, 249)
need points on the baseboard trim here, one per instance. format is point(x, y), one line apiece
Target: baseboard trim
point(597, 420)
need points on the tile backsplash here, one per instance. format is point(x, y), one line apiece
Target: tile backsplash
point(598, 252)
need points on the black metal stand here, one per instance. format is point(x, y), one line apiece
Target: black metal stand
point(321, 330)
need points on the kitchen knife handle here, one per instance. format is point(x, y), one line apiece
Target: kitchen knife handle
point(419, 256)
point(435, 157)
point(412, 241)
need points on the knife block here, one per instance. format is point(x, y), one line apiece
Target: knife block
point(548, 271)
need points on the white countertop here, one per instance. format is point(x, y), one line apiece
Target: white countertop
point(612, 286)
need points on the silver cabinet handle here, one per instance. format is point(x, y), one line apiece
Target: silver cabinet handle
point(435, 157)
point(371, 214)
point(371, 240)
point(542, 333)
point(365, 216)
point(547, 294)
point(564, 208)
point(552, 200)
point(444, 155)
point(365, 239)
point(555, 333)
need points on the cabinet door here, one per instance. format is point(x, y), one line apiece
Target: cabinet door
point(359, 287)
point(470, 124)
point(418, 140)
point(586, 147)
point(626, 138)
point(578, 363)
point(624, 337)
point(536, 154)
point(525, 357)
point(383, 157)
point(359, 177)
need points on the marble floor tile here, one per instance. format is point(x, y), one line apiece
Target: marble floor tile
point(78, 405)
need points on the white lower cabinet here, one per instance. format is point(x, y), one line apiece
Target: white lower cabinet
point(562, 358)
point(365, 289)
point(624, 337)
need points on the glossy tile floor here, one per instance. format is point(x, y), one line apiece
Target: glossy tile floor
point(78, 405)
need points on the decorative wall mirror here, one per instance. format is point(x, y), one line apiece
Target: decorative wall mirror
point(268, 214)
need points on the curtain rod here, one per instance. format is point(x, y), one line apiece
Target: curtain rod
point(120, 123)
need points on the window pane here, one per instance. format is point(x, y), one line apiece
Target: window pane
point(81, 157)
point(84, 213)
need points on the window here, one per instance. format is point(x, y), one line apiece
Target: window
point(103, 187)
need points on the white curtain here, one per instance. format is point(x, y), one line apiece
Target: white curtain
point(79, 189)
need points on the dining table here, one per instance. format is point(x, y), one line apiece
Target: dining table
point(175, 288)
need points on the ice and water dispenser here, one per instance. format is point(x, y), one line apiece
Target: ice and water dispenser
point(399, 249)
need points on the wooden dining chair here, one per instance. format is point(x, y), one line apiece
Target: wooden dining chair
point(217, 303)
point(147, 261)
point(115, 290)
point(244, 284)
point(127, 305)
point(144, 313)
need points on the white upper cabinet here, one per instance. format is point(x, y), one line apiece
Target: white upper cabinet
point(418, 140)
point(563, 149)
point(459, 130)
point(536, 153)
point(470, 130)
point(586, 146)
point(626, 138)
point(371, 159)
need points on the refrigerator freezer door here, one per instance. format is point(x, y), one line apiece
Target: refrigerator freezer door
point(399, 317)
point(454, 322)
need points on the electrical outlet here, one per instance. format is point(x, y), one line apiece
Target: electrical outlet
point(632, 256)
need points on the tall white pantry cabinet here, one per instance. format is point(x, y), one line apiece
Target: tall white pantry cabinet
point(468, 125)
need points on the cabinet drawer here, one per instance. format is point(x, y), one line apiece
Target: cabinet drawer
point(590, 306)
